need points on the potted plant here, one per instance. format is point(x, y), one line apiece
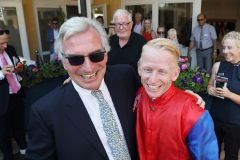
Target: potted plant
point(192, 79)
point(195, 80)
point(33, 74)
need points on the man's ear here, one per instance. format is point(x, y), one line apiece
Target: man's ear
point(106, 56)
point(64, 64)
point(176, 74)
point(139, 68)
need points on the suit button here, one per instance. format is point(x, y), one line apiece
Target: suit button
point(152, 108)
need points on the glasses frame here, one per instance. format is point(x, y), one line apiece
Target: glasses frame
point(76, 60)
point(201, 19)
point(124, 24)
point(159, 32)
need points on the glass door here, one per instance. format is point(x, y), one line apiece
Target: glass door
point(12, 17)
point(8, 19)
point(177, 16)
point(45, 15)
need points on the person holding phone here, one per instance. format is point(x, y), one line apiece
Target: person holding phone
point(11, 102)
point(225, 112)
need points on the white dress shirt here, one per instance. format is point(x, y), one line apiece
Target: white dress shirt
point(92, 107)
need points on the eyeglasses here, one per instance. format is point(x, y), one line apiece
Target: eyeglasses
point(4, 31)
point(76, 60)
point(55, 23)
point(200, 20)
point(160, 32)
point(124, 24)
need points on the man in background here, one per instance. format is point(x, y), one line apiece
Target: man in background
point(126, 46)
point(161, 32)
point(137, 24)
point(51, 36)
point(204, 38)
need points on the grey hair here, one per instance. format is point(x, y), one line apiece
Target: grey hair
point(76, 25)
point(120, 12)
point(233, 35)
point(172, 31)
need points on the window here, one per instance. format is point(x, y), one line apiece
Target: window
point(146, 9)
point(178, 16)
point(45, 15)
point(8, 18)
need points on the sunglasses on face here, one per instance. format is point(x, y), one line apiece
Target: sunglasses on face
point(4, 31)
point(200, 20)
point(76, 60)
point(160, 32)
point(55, 23)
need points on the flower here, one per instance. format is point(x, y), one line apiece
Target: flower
point(191, 79)
point(32, 74)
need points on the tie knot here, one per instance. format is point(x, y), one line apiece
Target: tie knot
point(97, 94)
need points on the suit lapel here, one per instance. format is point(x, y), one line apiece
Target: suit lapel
point(78, 115)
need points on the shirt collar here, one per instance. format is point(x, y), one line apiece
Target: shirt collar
point(81, 90)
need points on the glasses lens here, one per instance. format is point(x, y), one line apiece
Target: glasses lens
point(75, 60)
point(7, 31)
point(199, 20)
point(97, 57)
point(79, 60)
point(124, 24)
point(4, 31)
point(160, 32)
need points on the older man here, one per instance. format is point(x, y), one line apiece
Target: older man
point(170, 125)
point(11, 103)
point(126, 46)
point(91, 117)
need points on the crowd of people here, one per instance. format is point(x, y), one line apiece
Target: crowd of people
point(120, 102)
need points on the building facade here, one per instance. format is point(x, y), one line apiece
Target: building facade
point(28, 20)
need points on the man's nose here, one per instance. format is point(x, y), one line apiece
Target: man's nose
point(87, 64)
point(5, 45)
point(153, 77)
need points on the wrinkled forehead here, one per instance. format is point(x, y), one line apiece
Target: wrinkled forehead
point(121, 18)
point(201, 16)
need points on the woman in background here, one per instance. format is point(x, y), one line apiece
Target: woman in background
point(225, 111)
point(172, 35)
point(147, 31)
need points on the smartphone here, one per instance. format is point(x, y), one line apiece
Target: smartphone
point(220, 82)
